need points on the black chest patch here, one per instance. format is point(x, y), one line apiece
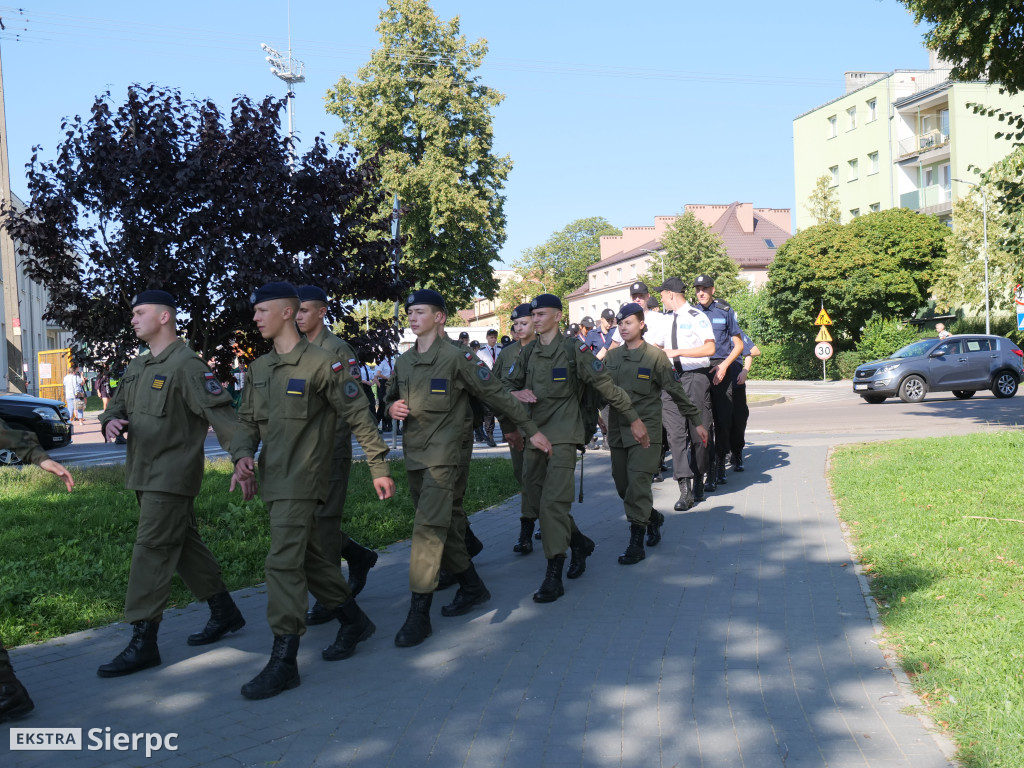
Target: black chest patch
point(439, 386)
point(296, 387)
point(559, 374)
point(643, 373)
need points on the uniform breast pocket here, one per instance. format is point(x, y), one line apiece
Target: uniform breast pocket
point(296, 399)
point(438, 397)
point(151, 397)
point(260, 400)
point(640, 382)
point(557, 384)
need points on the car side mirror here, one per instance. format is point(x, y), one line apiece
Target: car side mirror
point(938, 353)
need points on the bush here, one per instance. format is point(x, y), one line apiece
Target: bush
point(882, 337)
point(847, 362)
point(790, 360)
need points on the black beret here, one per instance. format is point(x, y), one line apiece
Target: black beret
point(630, 309)
point(608, 314)
point(425, 296)
point(673, 284)
point(523, 310)
point(704, 281)
point(638, 288)
point(153, 297)
point(587, 322)
point(272, 291)
point(312, 293)
point(546, 301)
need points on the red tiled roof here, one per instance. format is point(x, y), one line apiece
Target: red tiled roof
point(749, 249)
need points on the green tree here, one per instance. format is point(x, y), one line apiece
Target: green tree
point(559, 265)
point(823, 203)
point(982, 40)
point(881, 263)
point(690, 248)
point(419, 106)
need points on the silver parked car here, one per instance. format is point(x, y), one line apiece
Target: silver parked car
point(960, 364)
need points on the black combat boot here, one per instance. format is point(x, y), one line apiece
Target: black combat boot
point(635, 549)
point(141, 652)
point(720, 478)
point(581, 548)
point(700, 487)
point(737, 461)
point(281, 672)
point(473, 545)
point(525, 544)
point(360, 561)
point(551, 588)
point(685, 495)
point(654, 528)
point(14, 699)
point(445, 579)
point(318, 614)
point(355, 627)
point(417, 624)
point(224, 617)
point(471, 592)
point(490, 439)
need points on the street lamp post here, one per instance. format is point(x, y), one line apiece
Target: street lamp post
point(984, 246)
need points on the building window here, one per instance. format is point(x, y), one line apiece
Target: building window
point(618, 275)
point(872, 110)
point(851, 115)
point(769, 242)
point(854, 213)
point(834, 173)
point(833, 127)
point(875, 207)
point(632, 271)
point(872, 162)
point(606, 282)
point(852, 165)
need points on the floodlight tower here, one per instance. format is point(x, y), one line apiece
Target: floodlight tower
point(292, 71)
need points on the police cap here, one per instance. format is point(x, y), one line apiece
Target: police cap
point(153, 297)
point(704, 281)
point(574, 329)
point(311, 293)
point(630, 309)
point(474, 344)
point(638, 289)
point(272, 291)
point(546, 301)
point(673, 284)
point(425, 296)
point(464, 335)
point(608, 314)
point(506, 340)
point(523, 310)
point(587, 322)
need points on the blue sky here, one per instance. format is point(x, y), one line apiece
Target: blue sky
point(622, 110)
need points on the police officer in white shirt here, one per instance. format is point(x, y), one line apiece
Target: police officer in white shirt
point(689, 341)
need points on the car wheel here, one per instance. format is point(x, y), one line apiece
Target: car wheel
point(9, 458)
point(874, 399)
point(963, 394)
point(1005, 384)
point(913, 389)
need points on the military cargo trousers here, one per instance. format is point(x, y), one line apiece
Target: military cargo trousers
point(439, 531)
point(632, 470)
point(295, 565)
point(167, 541)
point(549, 485)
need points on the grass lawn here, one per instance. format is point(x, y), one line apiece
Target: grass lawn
point(939, 527)
point(64, 558)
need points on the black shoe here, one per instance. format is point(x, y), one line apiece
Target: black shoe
point(472, 592)
point(698, 489)
point(473, 545)
point(445, 579)
point(737, 462)
point(281, 672)
point(551, 588)
point(417, 624)
point(657, 478)
point(318, 615)
point(360, 561)
point(720, 478)
point(536, 536)
point(581, 548)
point(355, 627)
point(635, 550)
point(224, 617)
point(709, 485)
point(685, 495)
point(141, 652)
point(490, 443)
point(525, 544)
point(14, 699)
point(654, 528)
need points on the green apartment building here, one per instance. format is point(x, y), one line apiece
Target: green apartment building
point(898, 139)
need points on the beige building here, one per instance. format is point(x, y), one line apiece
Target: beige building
point(751, 237)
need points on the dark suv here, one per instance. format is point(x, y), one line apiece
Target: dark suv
point(960, 364)
point(49, 420)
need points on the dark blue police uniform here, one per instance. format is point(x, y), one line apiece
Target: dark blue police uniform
point(740, 410)
point(725, 326)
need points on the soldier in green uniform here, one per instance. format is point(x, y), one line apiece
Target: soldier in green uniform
point(167, 400)
point(523, 333)
point(643, 371)
point(430, 392)
point(334, 542)
point(14, 699)
point(290, 402)
point(551, 377)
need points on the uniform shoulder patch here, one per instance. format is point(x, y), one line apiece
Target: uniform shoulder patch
point(721, 304)
point(483, 373)
point(694, 312)
point(584, 347)
point(337, 367)
point(210, 383)
point(470, 356)
point(351, 389)
point(598, 365)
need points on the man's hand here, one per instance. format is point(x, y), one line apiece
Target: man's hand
point(245, 469)
point(246, 485)
point(741, 377)
point(719, 373)
point(639, 431)
point(515, 441)
point(702, 433)
point(114, 428)
point(399, 410)
point(541, 443)
point(525, 396)
point(384, 486)
point(59, 470)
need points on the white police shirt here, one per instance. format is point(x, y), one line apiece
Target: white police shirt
point(693, 329)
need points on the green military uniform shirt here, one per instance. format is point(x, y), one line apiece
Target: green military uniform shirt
point(555, 373)
point(287, 402)
point(24, 444)
point(436, 386)
point(644, 372)
point(170, 401)
point(342, 351)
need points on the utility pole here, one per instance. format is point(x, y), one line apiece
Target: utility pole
point(13, 374)
point(291, 71)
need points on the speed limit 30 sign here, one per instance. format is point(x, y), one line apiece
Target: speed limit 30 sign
point(823, 350)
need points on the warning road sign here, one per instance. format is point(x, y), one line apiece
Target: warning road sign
point(823, 318)
point(823, 334)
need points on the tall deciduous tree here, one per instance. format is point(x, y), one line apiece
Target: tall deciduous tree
point(691, 249)
point(162, 192)
point(823, 203)
point(420, 104)
point(880, 263)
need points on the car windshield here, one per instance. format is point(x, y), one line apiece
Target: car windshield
point(913, 350)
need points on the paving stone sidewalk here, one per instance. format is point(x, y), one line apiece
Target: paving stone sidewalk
point(743, 639)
